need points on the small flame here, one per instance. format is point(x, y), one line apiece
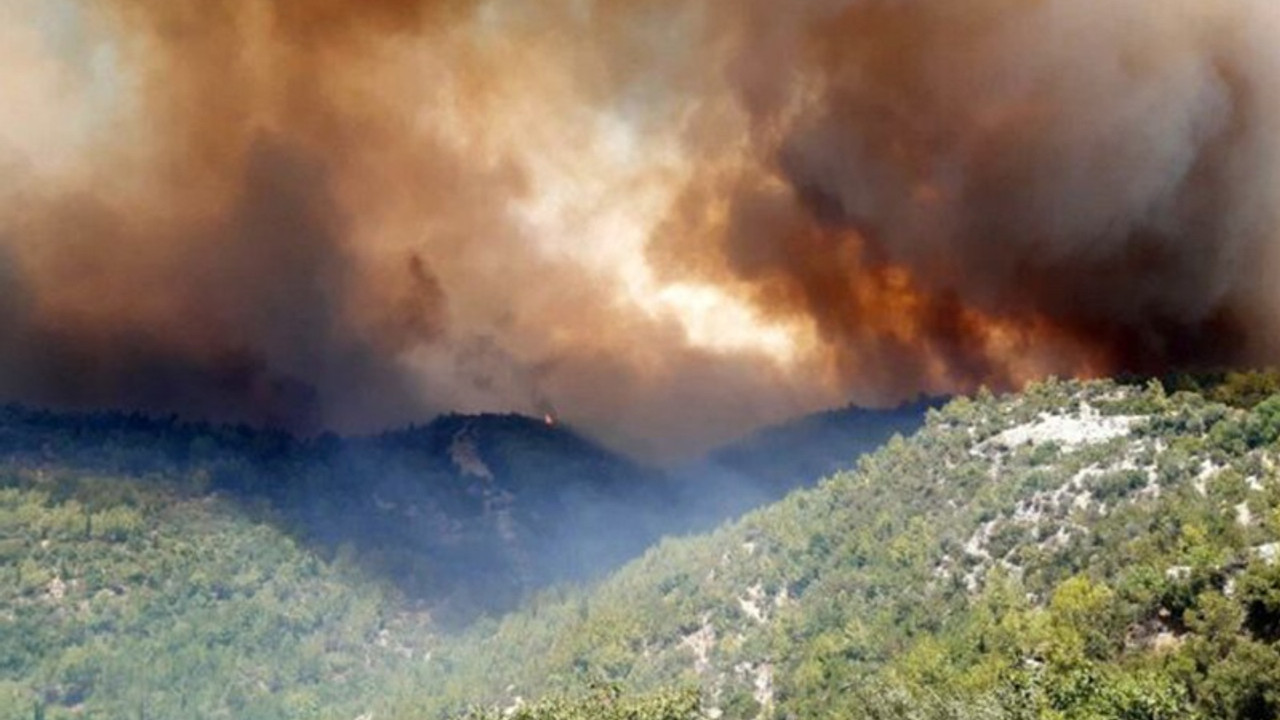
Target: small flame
point(550, 421)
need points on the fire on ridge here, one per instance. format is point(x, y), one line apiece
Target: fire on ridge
point(671, 222)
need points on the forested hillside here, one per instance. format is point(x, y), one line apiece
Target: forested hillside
point(157, 568)
point(766, 465)
point(464, 515)
point(161, 569)
point(1082, 550)
point(127, 598)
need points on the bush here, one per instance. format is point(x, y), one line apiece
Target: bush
point(605, 702)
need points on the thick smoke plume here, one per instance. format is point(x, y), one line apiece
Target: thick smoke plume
point(667, 222)
point(951, 188)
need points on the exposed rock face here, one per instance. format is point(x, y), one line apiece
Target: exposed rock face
point(465, 457)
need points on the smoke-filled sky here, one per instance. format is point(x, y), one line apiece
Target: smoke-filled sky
point(665, 221)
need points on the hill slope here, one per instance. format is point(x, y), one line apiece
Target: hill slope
point(128, 599)
point(1081, 550)
point(464, 514)
point(763, 467)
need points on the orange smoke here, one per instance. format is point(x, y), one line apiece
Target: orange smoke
point(670, 222)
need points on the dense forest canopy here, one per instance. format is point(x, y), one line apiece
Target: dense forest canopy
point(1095, 550)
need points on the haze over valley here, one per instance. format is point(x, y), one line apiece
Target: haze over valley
point(644, 360)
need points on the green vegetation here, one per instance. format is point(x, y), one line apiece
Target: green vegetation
point(1240, 389)
point(777, 460)
point(1082, 550)
point(605, 702)
point(129, 599)
point(464, 515)
point(1078, 551)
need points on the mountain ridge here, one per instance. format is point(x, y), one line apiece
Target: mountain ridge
point(496, 505)
point(1078, 550)
point(1056, 553)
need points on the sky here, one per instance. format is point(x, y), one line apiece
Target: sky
point(666, 223)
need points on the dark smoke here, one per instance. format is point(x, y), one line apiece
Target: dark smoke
point(246, 319)
point(1092, 177)
point(329, 213)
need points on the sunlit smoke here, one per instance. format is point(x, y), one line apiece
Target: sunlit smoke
point(669, 221)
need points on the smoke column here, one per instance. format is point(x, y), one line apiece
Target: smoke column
point(668, 222)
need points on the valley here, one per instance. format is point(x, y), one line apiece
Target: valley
point(1089, 549)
